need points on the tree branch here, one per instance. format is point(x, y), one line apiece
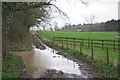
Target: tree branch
point(31, 6)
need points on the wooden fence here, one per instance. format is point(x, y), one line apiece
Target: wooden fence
point(90, 43)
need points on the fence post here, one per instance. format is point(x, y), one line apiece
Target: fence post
point(73, 43)
point(67, 42)
point(92, 49)
point(102, 44)
point(114, 45)
point(88, 43)
point(53, 40)
point(107, 55)
point(62, 43)
point(80, 47)
point(82, 43)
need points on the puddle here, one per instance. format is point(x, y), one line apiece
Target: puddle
point(38, 61)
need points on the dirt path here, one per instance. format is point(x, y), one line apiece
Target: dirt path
point(84, 68)
point(53, 74)
point(52, 62)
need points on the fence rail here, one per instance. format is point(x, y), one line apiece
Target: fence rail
point(91, 43)
point(113, 43)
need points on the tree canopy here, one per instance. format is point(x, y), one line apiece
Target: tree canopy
point(18, 17)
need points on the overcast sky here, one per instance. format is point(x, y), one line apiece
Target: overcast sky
point(102, 10)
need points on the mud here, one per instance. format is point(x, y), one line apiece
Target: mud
point(85, 70)
point(53, 74)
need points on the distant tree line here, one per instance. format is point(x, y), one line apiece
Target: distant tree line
point(111, 25)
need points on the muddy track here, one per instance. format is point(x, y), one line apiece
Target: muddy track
point(86, 71)
point(85, 68)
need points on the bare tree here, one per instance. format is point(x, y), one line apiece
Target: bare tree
point(90, 21)
point(55, 26)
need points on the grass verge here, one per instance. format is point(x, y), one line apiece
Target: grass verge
point(102, 69)
point(11, 67)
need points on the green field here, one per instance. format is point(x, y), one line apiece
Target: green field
point(99, 54)
point(82, 35)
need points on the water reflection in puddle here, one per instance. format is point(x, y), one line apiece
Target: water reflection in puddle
point(38, 61)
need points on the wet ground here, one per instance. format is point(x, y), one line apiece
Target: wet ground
point(49, 63)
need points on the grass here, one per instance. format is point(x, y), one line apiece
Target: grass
point(103, 70)
point(81, 35)
point(12, 66)
point(99, 54)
